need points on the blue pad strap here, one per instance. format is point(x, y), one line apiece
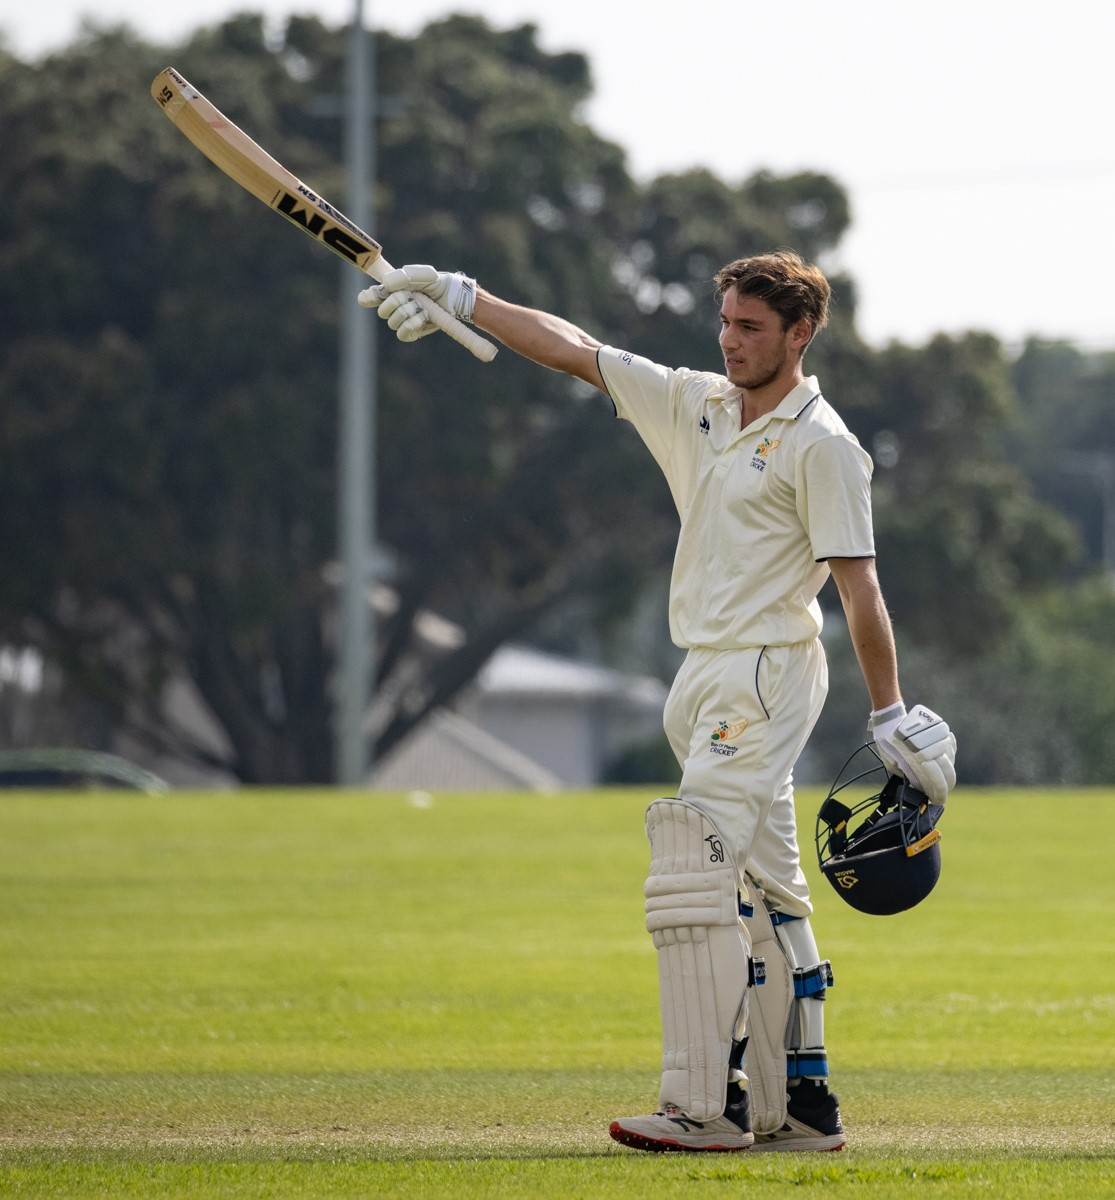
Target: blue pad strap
point(810, 982)
point(801, 1064)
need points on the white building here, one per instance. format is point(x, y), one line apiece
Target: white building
point(529, 720)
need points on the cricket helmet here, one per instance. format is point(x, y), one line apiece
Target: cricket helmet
point(881, 854)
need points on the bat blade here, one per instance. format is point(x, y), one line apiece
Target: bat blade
point(231, 150)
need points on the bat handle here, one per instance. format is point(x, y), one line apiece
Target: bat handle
point(443, 318)
point(457, 330)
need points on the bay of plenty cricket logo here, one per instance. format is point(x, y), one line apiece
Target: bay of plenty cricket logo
point(763, 451)
point(724, 733)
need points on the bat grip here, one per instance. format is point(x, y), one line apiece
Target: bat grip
point(443, 318)
point(457, 330)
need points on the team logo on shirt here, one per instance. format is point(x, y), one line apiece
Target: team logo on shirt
point(704, 426)
point(725, 732)
point(763, 451)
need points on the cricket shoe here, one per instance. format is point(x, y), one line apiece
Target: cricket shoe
point(673, 1130)
point(812, 1122)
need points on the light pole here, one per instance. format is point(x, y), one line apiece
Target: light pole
point(1100, 465)
point(356, 432)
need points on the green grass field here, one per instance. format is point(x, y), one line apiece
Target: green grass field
point(336, 994)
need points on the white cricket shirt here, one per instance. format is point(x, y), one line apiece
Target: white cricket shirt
point(761, 508)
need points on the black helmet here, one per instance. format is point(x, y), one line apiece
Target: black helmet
point(891, 859)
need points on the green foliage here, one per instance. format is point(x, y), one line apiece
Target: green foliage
point(961, 536)
point(649, 762)
point(1065, 443)
point(1036, 708)
point(168, 379)
point(327, 993)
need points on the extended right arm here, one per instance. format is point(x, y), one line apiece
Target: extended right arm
point(552, 341)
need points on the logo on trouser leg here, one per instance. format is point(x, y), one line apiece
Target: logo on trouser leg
point(725, 732)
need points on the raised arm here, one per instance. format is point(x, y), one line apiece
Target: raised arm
point(542, 337)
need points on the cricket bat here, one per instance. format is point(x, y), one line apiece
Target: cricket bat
point(230, 148)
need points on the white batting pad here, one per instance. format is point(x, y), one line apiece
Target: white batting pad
point(692, 908)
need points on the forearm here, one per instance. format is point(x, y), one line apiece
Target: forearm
point(918, 745)
point(873, 641)
point(869, 628)
point(542, 337)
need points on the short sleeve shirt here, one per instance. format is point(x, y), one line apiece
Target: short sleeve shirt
point(761, 508)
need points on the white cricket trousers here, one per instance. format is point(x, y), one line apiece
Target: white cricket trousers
point(737, 721)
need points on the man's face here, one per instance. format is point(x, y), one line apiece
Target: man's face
point(756, 349)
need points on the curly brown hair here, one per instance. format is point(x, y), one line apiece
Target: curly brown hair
point(794, 288)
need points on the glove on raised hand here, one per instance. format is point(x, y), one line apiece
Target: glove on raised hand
point(917, 745)
point(393, 297)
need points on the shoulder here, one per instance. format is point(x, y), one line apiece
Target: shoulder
point(618, 361)
point(818, 419)
point(824, 441)
point(626, 374)
point(819, 424)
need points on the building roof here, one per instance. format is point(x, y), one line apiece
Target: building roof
point(521, 670)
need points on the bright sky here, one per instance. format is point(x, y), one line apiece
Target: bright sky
point(974, 136)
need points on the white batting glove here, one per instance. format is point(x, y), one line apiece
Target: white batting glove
point(394, 298)
point(917, 745)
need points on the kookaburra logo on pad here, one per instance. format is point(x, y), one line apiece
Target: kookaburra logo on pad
point(716, 848)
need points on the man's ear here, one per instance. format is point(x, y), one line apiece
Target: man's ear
point(801, 334)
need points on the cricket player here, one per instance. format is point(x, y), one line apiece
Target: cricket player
point(773, 495)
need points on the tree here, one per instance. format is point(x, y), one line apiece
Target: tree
point(168, 371)
point(1064, 441)
point(961, 536)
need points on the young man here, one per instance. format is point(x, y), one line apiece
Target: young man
point(773, 493)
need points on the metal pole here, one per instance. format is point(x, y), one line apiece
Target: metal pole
point(1106, 473)
point(356, 428)
point(1100, 464)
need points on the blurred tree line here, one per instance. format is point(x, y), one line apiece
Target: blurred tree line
point(168, 360)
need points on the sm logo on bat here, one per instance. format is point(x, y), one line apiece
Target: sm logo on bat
point(336, 238)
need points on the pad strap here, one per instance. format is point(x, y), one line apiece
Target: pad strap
point(803, 1064)
point(813, 981)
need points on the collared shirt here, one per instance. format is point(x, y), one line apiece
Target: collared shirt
point(761, 508)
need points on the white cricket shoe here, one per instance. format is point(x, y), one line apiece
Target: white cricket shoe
point(673, 1130)
point(810, 1125)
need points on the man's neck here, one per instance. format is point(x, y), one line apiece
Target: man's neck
point(757, 402)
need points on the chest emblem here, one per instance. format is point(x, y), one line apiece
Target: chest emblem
point(763, 451)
